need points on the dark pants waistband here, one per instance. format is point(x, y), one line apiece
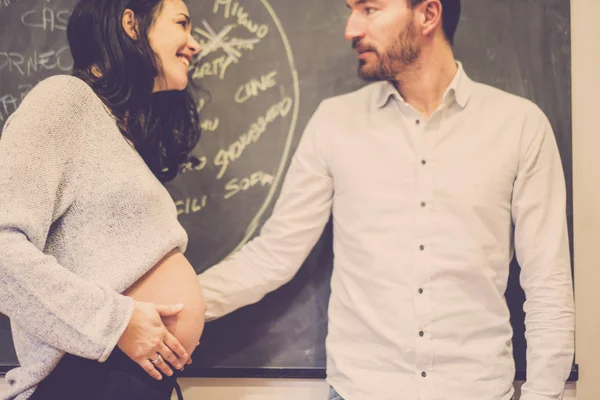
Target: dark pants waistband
point(118, 378)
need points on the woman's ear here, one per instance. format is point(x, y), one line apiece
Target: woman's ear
point(129, 24)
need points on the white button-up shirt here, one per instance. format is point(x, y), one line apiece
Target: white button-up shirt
point(427, 214)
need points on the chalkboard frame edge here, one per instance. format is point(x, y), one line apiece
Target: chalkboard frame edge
point(287, 373)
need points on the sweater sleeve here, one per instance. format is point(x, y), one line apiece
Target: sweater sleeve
point(40, 151)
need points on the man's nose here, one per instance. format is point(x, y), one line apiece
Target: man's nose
point(355, 28)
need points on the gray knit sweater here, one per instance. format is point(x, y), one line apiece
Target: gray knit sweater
point(81, 219)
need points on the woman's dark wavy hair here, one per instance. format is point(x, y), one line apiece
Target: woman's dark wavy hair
point(163, 126)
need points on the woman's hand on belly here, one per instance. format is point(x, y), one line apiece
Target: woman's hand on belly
point(146, 336)
point(174, 281)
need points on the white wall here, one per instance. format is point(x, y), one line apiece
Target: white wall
point(586, 164)
point(586, 170)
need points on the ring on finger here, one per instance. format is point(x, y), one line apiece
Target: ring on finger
point(157, 359)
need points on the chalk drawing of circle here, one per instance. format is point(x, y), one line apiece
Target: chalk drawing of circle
point(250, 113)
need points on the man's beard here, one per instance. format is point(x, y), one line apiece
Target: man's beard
point(402, 53)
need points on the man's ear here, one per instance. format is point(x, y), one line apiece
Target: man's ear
point(129, 24)
point(430, 16)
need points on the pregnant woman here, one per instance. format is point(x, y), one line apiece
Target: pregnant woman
point(102, 302)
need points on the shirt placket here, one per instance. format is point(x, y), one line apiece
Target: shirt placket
point(423, 205)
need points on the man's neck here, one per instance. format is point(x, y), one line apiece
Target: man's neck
point(423, 83)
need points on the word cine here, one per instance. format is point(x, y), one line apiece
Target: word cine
point(47, 60)
point(254, 86)
point(235, 150)
point(46, 19)
point(191, 205)
point(236, 185)
point(10, 102)
point(233, 9)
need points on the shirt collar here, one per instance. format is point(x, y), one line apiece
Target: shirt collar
point(458, 91)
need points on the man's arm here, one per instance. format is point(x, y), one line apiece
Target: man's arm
point(272, 259)
point(542, 249)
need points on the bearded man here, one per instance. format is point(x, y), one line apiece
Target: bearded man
point(434, 182)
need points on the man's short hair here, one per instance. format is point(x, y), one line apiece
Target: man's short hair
point(450, 16)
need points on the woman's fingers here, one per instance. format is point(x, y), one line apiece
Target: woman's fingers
point(170, 357)
point(161, 365)
point(150, 369)
point(176, 347)
point(146, 336)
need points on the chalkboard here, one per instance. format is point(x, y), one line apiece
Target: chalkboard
point(266, 67)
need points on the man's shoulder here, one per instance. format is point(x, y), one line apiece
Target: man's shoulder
point(502, 100)
point(495, 105)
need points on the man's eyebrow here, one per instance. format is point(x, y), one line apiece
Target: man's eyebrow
point(357, 2)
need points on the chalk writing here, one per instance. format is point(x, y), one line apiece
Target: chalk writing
point(225, 156)
point(191, 205)
point(27, 65)
point(6, 3)
point(232, 9)
point(46, 19)
point(10, 102)
point(216, 67)
point(201, 104)
point(211, 42)
point(236, 185)
point(210, 125)
point(198, 167)
point(252, 88)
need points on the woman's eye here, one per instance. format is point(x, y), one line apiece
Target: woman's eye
point(183, 23)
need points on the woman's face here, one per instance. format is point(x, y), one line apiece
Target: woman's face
point(171, 39)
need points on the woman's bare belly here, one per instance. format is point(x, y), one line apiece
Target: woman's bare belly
point(173, 281)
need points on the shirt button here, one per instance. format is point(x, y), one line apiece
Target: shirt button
point(423, 204)
point(421, 247)
point(423, 374)
point(423, 162)
point(418, 122)
point(421, 333)
point(420, 291)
